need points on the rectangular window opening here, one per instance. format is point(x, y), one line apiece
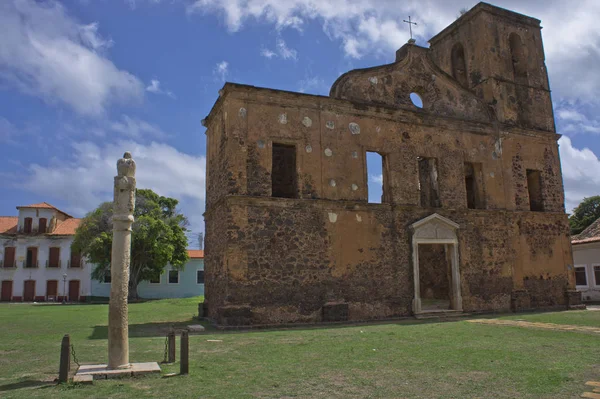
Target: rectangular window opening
point(75, 260)
point(54, 257)
point(597, 275)
point(283, 171)
point(173, 276)
point(474, 185)
point(580, 276)
point(31, 259)
point(42, 225)
point(9, 257)
point(200, 277)
point(27, 225)
point(376, 177)
point(155, 280)
point(428, 182)
point(107, 277)
point(534, 186)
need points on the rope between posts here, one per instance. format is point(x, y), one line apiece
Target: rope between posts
point(74, 356)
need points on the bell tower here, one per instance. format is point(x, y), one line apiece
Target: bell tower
point(498, 54)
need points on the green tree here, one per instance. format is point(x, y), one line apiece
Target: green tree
point(158, 238)
point(585, 214)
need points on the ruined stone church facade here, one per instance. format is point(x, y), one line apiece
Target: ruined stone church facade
point(472, 215)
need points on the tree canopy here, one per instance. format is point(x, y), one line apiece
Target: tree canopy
point(585, 214)
point(157, 239)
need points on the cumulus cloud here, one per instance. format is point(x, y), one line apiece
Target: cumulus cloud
point(580, 172)
point(284, 51)
point(571, 37)
point(136, 128)
point(221, 70)
point(265, 52)
point(46, 53)
point(281, 50)
point(313, 85)
point(85, 179)
point(154, 87)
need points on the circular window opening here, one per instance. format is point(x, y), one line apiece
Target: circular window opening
point(416, 100)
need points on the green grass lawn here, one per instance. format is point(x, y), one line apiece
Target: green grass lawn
point(394, 360)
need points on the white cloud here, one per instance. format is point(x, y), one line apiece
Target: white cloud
point(313, 85)
point(221, 70)
point(265, 52)
point(46, 53)
point(154, 87)
point(136, 128)
point(284, 51)
point(378, 179)
point(580, 172)
point(574, 121)
point(571, 36)
point(86, 179)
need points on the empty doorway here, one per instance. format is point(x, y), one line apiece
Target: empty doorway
point(435, 265)
point(434, 277)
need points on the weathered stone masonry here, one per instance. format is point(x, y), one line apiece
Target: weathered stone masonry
point(326, 254)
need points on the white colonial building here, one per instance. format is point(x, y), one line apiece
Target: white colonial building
point(586, 256)
point(36, 260)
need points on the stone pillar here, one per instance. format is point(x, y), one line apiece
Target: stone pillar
point(118, 321)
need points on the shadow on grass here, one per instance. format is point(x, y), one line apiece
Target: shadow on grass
point(25, 384)
point(144, 330)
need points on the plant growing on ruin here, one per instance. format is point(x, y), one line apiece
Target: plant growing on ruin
point(585, 214)
point(158, 238)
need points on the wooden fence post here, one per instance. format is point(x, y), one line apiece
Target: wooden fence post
point(65, 359)
point(184, 365)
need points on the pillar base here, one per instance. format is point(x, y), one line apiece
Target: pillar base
point(102, 372)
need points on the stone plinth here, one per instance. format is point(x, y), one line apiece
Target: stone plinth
point(102, 372)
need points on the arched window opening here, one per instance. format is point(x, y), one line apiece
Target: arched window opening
point(518, 58)
point(459, 65)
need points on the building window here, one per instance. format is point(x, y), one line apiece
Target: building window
point(155, 280)
point(459, 66)
point(376, 178)
point(75, 260)
point(200, 277)
point(54, 257)
point(518, 58)
point(580, 277)
point(9, 257)
point(27, 225)
point(42, 225)
point(474, 185)
point(31, 259)
point(283, 171)
point(428, 182)
point(173, 276)
point(597, 275)
point(107, 277)
point(534, 186)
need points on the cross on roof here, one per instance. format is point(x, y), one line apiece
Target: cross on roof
point(410, 24)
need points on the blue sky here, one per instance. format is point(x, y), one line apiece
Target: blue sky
point(81, 81)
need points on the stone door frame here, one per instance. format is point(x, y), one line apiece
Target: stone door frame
point(436, 229)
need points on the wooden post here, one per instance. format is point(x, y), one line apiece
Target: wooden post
point(65, 359)
point(171, 347)
point(184, 362)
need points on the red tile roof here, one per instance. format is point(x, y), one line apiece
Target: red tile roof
point(43, 205)
point(8, 224)
point(590, 234)
point(195, 253)
point(66, 227)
